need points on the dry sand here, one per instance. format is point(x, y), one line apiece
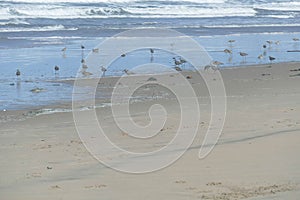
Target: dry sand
point(256, 157)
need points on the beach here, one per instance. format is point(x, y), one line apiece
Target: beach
point(149, 99)
point(256, 156)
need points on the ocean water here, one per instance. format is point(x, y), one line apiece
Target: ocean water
point(32, 35)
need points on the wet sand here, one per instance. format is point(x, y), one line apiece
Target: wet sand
point(42, 157)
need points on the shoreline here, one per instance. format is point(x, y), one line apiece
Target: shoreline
point(66, 106)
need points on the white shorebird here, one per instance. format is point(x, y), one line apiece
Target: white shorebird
point(85, 73)
point(260, 56)
point(96, 50)
point(214, 65)
point(277, 42)
point(176, 62)
point(84, 66)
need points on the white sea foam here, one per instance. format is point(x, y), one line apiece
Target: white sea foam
point(42, 29)
point(281, 6)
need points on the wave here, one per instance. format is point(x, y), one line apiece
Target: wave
point(166, 11)
point(280, 6)
point(36, 29)
point(14, 22)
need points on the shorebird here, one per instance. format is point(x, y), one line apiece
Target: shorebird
point(64, 49)
point(85, 73)
point(296, 39)
point(271, 59)
point(18, 73)
point(260, 56)
point(151, 51)
point(269, 42)
point(264, 46)
point(95, 50)
point(177, 68)
point(214, 65)
point(277, 42)
point(123, 55)
point(126, 71)
point(82, 52)
point(56, 68)
point(231, 41)
point(103, 69)
point(176, 62)
point(84, 66)
point(82, 60)
point(243, 55)
point(227, 51)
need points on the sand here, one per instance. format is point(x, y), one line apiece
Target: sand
point(42, 157)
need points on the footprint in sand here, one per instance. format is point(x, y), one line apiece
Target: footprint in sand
point(95, 186)
point(54, 187)
point(180, 182)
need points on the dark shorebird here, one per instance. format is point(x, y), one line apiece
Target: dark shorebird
point(227, 51)
point(18, 73)
point(126, 71)
point(296, 39)
point(64, 49)
point(269, 42)
point(177, 68)
point(56, 68)
point(82, 60)
point(123, 55)
point(152, 52)
point(244, 55)
point(264, 46)
point(82, 51)
point(103, 69)
point(271, 59)
point(231, 41)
